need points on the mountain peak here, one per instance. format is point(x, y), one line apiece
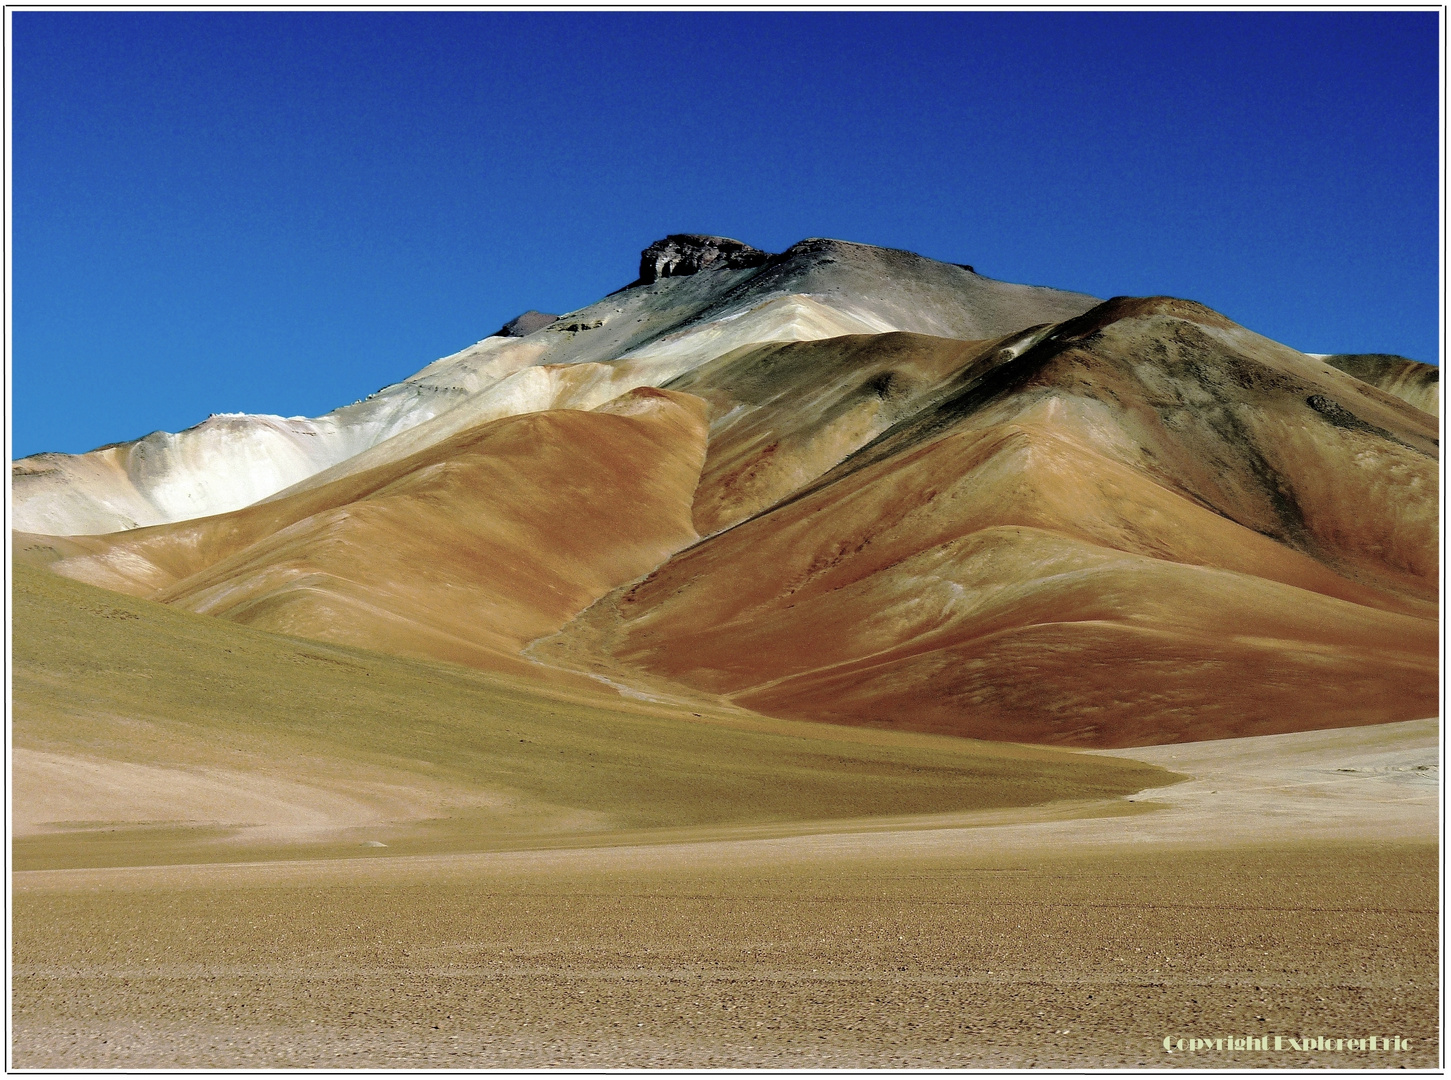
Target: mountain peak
point(688, 253)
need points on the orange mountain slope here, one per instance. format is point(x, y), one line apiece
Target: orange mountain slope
point(462, 552)
point(1149, 525)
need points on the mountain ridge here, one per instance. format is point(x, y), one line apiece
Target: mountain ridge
point(1131, 521)
point(227, 462)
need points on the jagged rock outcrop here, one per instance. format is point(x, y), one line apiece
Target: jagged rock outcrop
point(689, 253)
point(525, 324)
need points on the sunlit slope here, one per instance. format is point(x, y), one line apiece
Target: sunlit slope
point(143, 733)
point(668, 361)
point(462, 552)
point(643, 335)
point(539, 388)
point(784, 414)
point(1149, 525)
point(1411, 381)
point(231, 460)
point(1265, 436)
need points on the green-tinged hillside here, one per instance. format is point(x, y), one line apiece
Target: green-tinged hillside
point(146, 734)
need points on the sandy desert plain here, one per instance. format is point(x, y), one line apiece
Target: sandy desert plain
point(832, 659)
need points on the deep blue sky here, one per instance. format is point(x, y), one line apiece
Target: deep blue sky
point(282, 212)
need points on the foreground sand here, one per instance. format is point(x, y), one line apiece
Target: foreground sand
point(1290, 890)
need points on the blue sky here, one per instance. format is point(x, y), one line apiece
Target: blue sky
point(283, 212)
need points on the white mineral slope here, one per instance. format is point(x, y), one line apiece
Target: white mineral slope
point(650, 331)
point(585, 385)
point(232, 460)
point(836, 288)
point(784, 318)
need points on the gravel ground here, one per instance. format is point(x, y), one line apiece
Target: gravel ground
point(1038, 957)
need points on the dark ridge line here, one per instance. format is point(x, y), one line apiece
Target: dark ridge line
point(981, 389)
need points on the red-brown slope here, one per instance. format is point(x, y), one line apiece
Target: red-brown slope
point(1151, 526)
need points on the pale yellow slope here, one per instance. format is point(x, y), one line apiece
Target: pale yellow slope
point(462, 552)
point(509, 531)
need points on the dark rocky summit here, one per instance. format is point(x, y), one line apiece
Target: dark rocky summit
point(526, 324)
point(690, 253)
